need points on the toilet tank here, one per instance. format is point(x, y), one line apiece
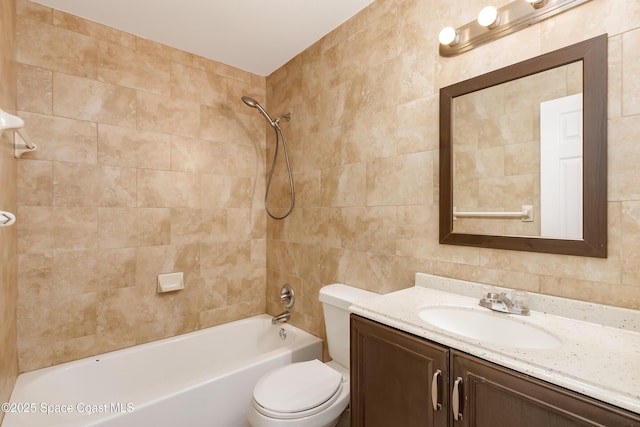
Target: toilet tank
point(336, 300)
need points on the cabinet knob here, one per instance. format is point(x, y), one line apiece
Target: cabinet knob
point(455, 399)
point(435, 390)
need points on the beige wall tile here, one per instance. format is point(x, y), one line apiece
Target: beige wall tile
point(630, 249)
point(630, 71)
point(78, 184)
point(56, 49)
point(199, 155)
point(35, 188)
point(401, 180)
point(44, 228)
point(369, 137)
point(623, 172)
point(92, 29)
point(200, 225)
point(121, 146)
point(35, 90)
point(91, 100)
point(344, 186)
point(166, 189)
point(34, 10)
point(369, 229)
point(133, 227)
point(223, 191)
point(167, 115)
point(61, 139)
point(416, 131)
point(197, 84)
point(131, 68)
point(225, 255)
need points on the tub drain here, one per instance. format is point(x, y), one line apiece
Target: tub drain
point(283, 334)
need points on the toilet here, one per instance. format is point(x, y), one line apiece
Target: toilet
point(311, 394)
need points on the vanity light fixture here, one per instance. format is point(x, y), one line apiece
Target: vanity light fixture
point(493, 23)
point(537, 4)
point(488, 17)
point(448, 36)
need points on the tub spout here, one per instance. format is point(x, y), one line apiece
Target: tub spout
point(281, 318)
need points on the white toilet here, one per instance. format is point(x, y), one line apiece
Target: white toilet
point(311, 394)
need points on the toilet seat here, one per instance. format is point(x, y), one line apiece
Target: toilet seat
point(297, 390)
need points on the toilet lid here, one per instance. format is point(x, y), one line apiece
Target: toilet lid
point(297, 387)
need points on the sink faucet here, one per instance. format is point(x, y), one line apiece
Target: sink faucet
point(501, 302)
point(281, 318)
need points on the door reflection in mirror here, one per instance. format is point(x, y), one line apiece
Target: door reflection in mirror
point(561, 167)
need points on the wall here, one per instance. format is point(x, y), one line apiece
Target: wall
point(363, 143)
point(148, 163)
point(8, 235)
point(364, 148)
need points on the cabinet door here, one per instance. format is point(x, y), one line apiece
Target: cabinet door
point(392, 377)
point(493, 396)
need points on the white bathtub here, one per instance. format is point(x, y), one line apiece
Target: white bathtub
point(204, 378)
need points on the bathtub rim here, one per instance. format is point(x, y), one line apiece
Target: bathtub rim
point(171, 388)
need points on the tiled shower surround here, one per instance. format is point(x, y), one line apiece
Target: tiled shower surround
point(147, 164)
point(150, 163)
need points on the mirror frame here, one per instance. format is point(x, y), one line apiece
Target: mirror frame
point(593, 54)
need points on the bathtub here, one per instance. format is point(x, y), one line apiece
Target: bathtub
point(203, 378)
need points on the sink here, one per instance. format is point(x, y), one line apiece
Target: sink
point(493, 328)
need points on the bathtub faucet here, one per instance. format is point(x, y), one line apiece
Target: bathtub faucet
point(281, 318)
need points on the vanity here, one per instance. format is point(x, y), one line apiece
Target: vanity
point(430, 355)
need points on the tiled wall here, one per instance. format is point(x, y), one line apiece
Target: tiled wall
point(148, 163)
point(364, 142)
point(8, 235)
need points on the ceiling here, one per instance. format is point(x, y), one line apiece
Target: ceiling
point(257, 36)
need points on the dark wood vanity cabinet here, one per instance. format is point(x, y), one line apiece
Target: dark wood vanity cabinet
point(493, 396)
point(392, 377)
point(392, 374)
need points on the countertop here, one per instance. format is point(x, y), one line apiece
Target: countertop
point(599, 355)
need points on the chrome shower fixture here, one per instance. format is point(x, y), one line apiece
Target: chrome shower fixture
point(255, 104)
point(276, 126)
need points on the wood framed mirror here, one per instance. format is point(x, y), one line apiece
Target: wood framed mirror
point(493, 179)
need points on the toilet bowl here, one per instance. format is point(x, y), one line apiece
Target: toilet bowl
point(305, 394)
point(311, 394)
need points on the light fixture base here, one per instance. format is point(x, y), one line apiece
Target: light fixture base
point(515, 16)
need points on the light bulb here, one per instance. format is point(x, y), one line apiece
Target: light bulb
point(537, 4)
point(448, 36)
point(488, 17)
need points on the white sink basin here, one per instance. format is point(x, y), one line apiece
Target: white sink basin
point(495, 328)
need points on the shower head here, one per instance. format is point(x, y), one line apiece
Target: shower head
point(253, 103)
point(250, 101)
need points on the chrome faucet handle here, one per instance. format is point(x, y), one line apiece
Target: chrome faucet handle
point(503, 298)
point(501, 302)
point(287, 296)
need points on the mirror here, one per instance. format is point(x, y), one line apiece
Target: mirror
point(523, 155)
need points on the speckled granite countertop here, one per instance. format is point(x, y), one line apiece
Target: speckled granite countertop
point(599, 355)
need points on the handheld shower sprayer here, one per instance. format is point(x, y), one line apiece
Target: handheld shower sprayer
point(275, 124)
point(255, 104)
